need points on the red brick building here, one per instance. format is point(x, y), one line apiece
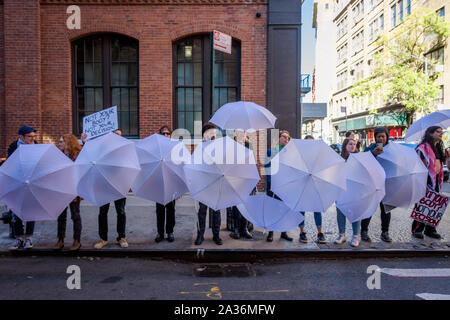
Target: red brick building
point(149, 57)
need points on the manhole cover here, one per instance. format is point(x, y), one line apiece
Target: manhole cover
point(224, 270)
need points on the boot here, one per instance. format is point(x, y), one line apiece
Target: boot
point(76, 245)
point(243, 228)
point(236, 234)
point(199, 239)
point(270, 236)
point(60, 244)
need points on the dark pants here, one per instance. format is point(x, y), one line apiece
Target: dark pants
point(420, 226)
point(165, 214)
point(216, 220)
point(385, 221)
point(76, 218)
point(121, 219)
point(18, 227)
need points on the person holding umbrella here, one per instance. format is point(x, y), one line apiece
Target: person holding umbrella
point(208, 133)
point(69, 144)
point(27, 135)
point(431, 151)
point(381, 140)
point(283, 140)
point(348, 146)
point(165, 213)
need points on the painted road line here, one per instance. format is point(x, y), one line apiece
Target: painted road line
point(417, 273)
point(433, 296)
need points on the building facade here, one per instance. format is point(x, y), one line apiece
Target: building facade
point(61, 60)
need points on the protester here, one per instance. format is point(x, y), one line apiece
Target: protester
point(27, 135)
point(350, 135)
point(348, 146)
point(283, 140)
point(208, 133)
point(165, 213)
point(69, 144)
point(381, 140)
point(431, 151)
point(317, 219)
point(121, 220)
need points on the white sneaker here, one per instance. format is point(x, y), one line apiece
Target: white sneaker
point(123, 242)
point(355, 241)
point(340, 239)
point(100, 244)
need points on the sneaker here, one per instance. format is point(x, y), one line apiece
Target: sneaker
point(355, 241)
point(28, 244)
point(303, 237)
point(340, 239)
point(100, 244)
point(365, 236)
point(321, 238)
point(385, 237)
point(123, 242)
point(18, 244)
point(418, 235)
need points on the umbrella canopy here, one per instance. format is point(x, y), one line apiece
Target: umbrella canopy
point(406, 175)
point(269, 213)
point(161, 178)
point(365, 187)
point(105, 169)
point(222, 173)
point(308, 175)
point(37, 182)
point(243, 115)
point(418, 128)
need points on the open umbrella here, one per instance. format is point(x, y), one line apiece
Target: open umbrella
point(417, 129)
point(37, 182)
point(269, 213)
point(406, 175)
point(243, 115)
point(161, 178)
point(365, 187)
point(105, 169)
point(222, 173)
point(308, 175)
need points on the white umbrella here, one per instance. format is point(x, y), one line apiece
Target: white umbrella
point(308, 175)
point(161, 178)
point(243, 115)
point(269, 213)
point(37, 182)
point(406, 175)
point(417, 129)
point(365, 187)
point(222, 173)
point(105, 169)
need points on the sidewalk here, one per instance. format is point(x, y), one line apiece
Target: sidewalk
point(141, 232)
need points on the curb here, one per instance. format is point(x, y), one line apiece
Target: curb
point(230, 255)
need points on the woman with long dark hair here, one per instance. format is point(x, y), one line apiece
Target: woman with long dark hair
point(69, 144)
point(431, 151)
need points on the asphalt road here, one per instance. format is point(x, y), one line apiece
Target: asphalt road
point(139, 278)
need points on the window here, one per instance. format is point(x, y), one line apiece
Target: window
point(358, 42)
point(342, 27)
point(105, 74)
point(326, 5)
point(342, 53)
point(440, 98)
point(441, 12)
point(358, 12)
point(408, 7)
point(192, 80)
point(437, 56)
point(342, 80)
point(393, 16)
point(400, 10)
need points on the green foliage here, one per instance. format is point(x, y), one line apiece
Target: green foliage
point(396, 74)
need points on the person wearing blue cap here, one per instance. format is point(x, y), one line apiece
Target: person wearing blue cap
point(27, 135)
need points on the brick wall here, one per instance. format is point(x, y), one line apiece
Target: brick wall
point(47, 85)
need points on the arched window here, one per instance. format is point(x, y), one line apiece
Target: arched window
point(105, 73)
point(192, 80)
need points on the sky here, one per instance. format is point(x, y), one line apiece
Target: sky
point(308, 41)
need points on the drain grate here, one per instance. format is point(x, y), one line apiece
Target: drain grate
point(224, 270)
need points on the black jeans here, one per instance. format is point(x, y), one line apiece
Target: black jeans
point(165, 214)
point(121, 219)
point(18, 227)
point(203, 209)
point(76, 218)
point(385, 220)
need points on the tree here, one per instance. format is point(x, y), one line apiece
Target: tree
point(397, 73)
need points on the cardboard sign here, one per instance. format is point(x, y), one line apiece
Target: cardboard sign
point(101, 122)
point(222, 42)
point(430, 208)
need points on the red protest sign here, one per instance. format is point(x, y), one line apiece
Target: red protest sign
point(430, 208)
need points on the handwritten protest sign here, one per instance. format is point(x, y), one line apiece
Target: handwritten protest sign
point(101, 122)
point(430, 208)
